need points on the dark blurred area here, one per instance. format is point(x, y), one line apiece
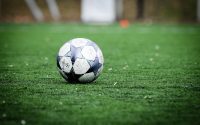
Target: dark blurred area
point(19, 11)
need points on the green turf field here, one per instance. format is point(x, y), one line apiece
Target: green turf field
point(151, 76)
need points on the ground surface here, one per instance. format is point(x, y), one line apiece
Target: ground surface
point(151, 76)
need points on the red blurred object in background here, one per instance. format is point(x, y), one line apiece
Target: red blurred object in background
point(124, 23)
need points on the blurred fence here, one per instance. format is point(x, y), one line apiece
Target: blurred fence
point(133, 10)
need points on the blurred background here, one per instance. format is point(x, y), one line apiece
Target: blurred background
point(99, 11)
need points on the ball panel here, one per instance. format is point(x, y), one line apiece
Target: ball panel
point(100, 56)
point(72, 77)
point(81, 66)
point(78, 42)
point(88, 77)
point(58, 61)
point(69, 53)
point(99, 72)
point(89, 52)
point(66, 64)
point(75, 53)
point(64, 49)
point(94, 66)
point(63, 74)
point(90, 43)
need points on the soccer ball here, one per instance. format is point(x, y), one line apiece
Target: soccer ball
point(80, 60)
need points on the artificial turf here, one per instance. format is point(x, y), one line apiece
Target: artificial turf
point(151, 75)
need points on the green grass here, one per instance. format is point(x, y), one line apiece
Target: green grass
point(155, 76)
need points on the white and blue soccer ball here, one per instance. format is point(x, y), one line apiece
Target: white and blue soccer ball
point(80, 60)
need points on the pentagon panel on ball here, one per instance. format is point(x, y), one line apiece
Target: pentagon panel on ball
point(80, 61)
